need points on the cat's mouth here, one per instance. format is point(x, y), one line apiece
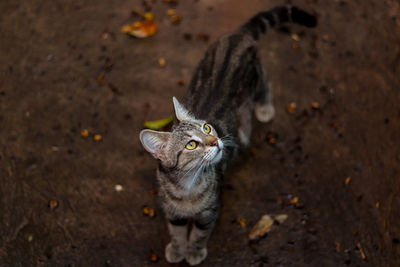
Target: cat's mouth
point(215, 155)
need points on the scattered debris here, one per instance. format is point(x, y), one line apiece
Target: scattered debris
point(263, 226)
point(187, 36)
point(30, 237)
point(295, 46)
point(149, 211)
point(363, 256)
point(291, 107)
point(97, 137)
point(171, 1)
point(141, 29)
point(295, 37)
point(334, 125)
point(105, 35)
point(162, 62)
point(272, 138)
point(348, 180)
point(377, 204)
point(170, 12)
point(338, 246)
point(100, 79)
point(315, 105)
point(153, 191)
point(242, 222)
point(153, 257)
point(158, 124)
point(281, 218)
point(2, 252)
point(85, 133)
point(203, 37)
point(53, 204)
point(176, 19)
point(181, 82)
point(115, 89)
point(118, 187)
point(294, 201)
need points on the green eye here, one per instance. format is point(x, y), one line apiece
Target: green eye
point(206, 128)
point(191, 145)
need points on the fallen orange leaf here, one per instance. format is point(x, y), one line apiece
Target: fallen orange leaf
point(141, 29)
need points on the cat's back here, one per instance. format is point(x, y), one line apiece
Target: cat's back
point(216, 83)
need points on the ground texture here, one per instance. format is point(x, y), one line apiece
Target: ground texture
point(66, 67)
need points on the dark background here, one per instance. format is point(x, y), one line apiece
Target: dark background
point(52, 53)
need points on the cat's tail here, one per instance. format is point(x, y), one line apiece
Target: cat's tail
point(261, 22)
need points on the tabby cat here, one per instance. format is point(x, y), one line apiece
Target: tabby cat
point(213, 123)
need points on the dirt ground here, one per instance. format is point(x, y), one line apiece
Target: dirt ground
point(341, 159)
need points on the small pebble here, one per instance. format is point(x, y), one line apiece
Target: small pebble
point(118, 188)
point(85, 133)
point(162, 62)
point(97, 138)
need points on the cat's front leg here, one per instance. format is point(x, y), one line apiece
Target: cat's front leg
point(175, 251)
point(201, 231)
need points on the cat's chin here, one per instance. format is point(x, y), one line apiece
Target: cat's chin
point(217, 157)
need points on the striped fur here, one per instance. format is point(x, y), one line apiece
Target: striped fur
point(227, 86)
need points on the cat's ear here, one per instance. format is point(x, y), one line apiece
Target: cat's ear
point(182, 114)
point(154, 142)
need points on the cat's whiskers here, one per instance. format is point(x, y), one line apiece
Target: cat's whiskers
point(228, 141)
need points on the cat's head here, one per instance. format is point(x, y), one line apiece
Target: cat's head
point(192, 144)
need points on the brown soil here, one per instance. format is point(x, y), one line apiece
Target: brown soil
point(52, 54)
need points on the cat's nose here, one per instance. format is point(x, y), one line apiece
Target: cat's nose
point(212, 141)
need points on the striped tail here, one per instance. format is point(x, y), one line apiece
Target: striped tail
point(261, 22)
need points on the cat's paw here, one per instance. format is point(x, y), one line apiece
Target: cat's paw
point(173, 254)
point(264, 113)
point(194, 257)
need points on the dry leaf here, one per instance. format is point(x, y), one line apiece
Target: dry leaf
point(85, 133)
point(294, 201)
point(348, 180)
point(170, 1)
point(97, 137)
point(170, 12)
point(158, 124)
point(296, 46)
point(100, 79)
point(363, 256)
point(262, 227)
point(162, 62)
point(338, 246)
point(53, 204)
point(153, 191)
point(148, 211)
point(141, 29)
point(153, 257)
point(295, 37)
point(290, 108)
point(315, 105)
point(181, 82)
point(176, 19)
point(2, 252)
point(281, 218)
point(242, 222)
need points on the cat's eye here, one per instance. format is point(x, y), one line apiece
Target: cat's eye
point(206, 128)
point(191, 145)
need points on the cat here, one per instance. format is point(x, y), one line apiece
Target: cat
point(212, 124)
